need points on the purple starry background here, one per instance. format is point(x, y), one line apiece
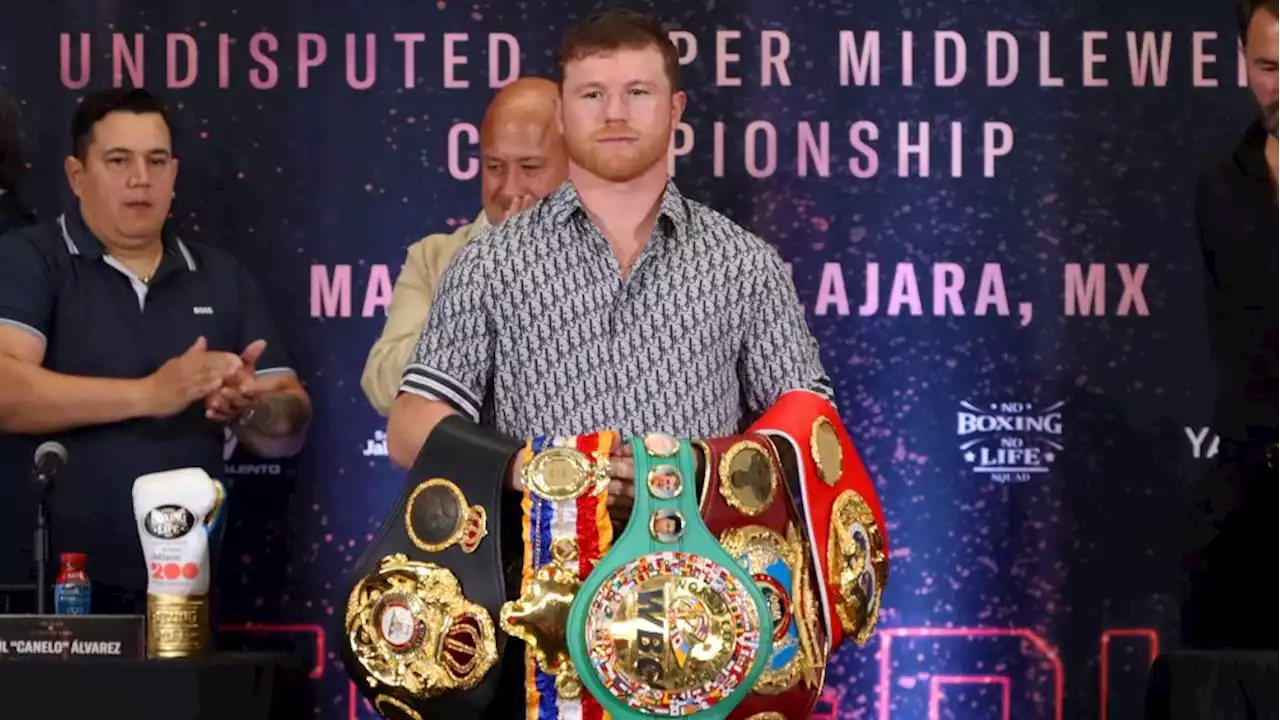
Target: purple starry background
point(287, 178)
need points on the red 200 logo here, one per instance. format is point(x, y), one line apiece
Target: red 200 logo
point(173, 571)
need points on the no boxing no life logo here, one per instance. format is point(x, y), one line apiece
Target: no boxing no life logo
point(1010, 442)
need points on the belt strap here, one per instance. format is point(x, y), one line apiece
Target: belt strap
point(419, 632)
point(747, 504)
point(566, 531)
point(846, 522)
point(669, 623)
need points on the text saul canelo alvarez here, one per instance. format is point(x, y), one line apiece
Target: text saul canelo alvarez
point(59, 647)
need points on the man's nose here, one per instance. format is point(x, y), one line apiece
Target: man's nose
point(615, 108)
point(513, 183)
point(140, 174)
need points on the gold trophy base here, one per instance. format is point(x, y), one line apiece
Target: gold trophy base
point(177, 625)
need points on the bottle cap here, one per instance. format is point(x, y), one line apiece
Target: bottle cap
point(75, 559)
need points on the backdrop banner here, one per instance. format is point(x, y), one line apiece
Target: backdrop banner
point(986, 206)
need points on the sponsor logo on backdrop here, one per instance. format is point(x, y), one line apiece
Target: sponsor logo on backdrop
point(377, 447)
point(1010, 441)
point(257, 467)
point(1203, 442)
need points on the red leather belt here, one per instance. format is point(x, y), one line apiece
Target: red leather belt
point(747, 504)
point(841, 509)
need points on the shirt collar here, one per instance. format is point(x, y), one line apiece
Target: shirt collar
point(673, 208)
point(80, 240)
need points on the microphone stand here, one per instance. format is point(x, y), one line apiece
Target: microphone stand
point(41, 553)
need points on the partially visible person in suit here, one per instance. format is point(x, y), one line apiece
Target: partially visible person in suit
point(13, 213)
point(1231, 559)
point(523, 159)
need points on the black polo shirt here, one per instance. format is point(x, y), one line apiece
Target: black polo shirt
point(98, 320)
point(1238, 222)
point(13, 213)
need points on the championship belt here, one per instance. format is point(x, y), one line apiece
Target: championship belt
point(747, 504)
point(177, 511)
point(846, 523)
point(419, 634)
point(566, 531)
point(668, 624)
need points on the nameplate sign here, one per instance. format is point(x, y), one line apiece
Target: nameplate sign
point(72, 637)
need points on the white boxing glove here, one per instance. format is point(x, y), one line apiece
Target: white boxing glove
point(176, 510)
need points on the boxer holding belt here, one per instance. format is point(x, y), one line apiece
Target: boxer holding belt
point(615, 303)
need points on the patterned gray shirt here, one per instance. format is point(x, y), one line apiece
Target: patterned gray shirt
point(535, 332)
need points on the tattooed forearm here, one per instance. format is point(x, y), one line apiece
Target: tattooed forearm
point(276, 415)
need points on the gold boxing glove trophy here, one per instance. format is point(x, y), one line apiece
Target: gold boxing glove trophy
point(176, 511)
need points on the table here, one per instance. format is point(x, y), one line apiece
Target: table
point(235, 686)
point(1204, 685)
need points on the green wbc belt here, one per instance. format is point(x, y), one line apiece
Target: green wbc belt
point(668, 624)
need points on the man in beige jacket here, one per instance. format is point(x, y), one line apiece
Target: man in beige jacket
point(522, 159)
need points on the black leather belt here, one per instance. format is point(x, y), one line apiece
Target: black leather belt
point(420, 637)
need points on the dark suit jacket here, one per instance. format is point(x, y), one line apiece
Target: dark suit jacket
point(1237, 223)
point(1231, 537)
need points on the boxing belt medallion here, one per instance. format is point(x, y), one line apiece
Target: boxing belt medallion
point(746, 503)
point(668, 624)
point(843, 513)
point(419, 637)
point(566, 531)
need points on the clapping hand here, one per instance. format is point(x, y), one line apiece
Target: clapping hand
point(188, 377)
point(240, 390)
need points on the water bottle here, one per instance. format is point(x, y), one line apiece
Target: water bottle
point(71, 593)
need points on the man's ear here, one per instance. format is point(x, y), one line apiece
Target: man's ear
point(75, 173)
point(678, 101)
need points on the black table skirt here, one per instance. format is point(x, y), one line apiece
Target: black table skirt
point(226, 686)
point(1203, 685)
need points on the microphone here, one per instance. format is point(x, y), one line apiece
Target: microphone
point(49, 459)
